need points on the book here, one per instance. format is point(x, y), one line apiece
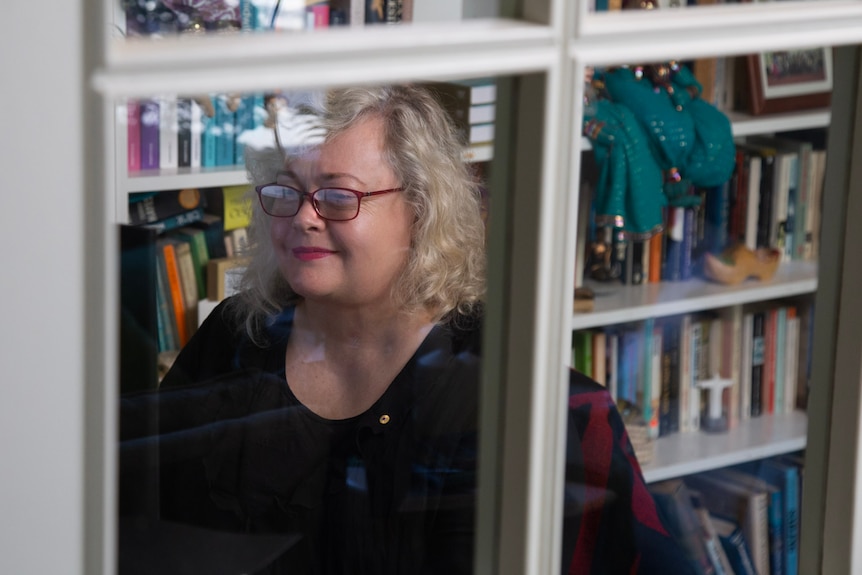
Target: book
point(196, 124)
point(613, 363)
point(685, 374)
point(655, 379)
point(133, 135)
point(177, 221)
point(747, 507)
point(735, 546)
point(791, 370)
point(746, 365)
point(673, 500)
point(758, 348)
point(150, 207)
point(749, 479)
point(184, 132)
point(222, 277)
point(769, 360)
point(674, 234)
point(780, 359)
point(802, 186)
point(231, 203)
point(149, 134)
point(656, 248)
point(213, 227)
point(196, 237)
point(188, 282)
point(786, 477)
point(210, 134)
point(175, 296)
point(669, 396)
point(168, 131)
point(714, 549)
point(600, 347)
point(731, 360)
point(752, 213)
point(165, 318)
point(354, 10)
point(375, 11)
point(583, 352)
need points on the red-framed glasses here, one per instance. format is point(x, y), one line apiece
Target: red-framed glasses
point(334, 204)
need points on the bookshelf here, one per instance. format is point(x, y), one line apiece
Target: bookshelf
point(513, 48)
point(623, 303)
point(765, 436)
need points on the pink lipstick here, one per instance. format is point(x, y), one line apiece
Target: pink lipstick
point(306, 254)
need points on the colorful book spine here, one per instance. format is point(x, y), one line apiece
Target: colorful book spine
point(168, 132)
point(149, 135)
point(769, 360)
point(196, 124)
point(133, 136)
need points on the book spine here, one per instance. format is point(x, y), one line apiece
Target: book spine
point(672, 268)
point(176, 293)
point(758, 349)
point(685, 374)
point(133, 135)
point(764, 209)
point(196, 129)
point(769, 340)
point(745, 366)
point(686, 270)
point(696, 354)
point(780, 359)
point(184, 132)
point(752, 215)
point(655, 379)
point(613, 364)
point(149, 135)
point(168, 132)
point(791, 371)
point(168, 340)
point(177, 221)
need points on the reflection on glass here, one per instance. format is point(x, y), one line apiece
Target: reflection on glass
point(322, 418)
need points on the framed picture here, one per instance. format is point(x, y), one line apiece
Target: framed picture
point(789, 80)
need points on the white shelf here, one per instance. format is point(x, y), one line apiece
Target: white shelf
point(765, 436)
point(179, 178)
point(746, 125)
point(616, 303)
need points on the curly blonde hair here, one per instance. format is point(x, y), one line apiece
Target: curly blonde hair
point(445, 271)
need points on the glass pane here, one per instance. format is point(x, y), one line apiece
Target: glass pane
point(299, 393)
point(170, 17)
point(700, 197)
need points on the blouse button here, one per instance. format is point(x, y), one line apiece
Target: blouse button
point(384, 419)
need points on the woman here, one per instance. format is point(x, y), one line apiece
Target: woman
point(354, 347)
point(334, 399)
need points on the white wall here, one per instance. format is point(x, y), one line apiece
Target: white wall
point(41, 325)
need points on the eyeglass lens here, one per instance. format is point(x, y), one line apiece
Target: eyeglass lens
point(332, 204)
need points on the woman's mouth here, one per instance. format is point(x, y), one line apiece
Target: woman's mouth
point(306, 254)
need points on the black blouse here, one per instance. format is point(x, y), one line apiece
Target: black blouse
point(391, 490)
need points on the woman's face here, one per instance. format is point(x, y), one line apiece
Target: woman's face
point(355, 262)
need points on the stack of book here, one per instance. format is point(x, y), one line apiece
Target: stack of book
point(198, 242)
point(658, 365)
point(739, 521)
